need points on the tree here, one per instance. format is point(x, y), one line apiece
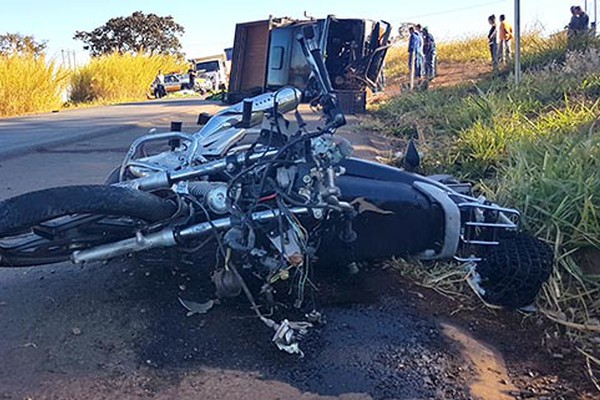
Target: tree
point(15, 43)
point(136, 33)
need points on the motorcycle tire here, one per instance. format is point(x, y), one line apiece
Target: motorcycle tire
point(513, 272)
point(148, 257)
point(113, 176)
point(29, 218)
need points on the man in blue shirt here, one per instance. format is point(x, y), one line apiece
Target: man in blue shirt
point(415, 53)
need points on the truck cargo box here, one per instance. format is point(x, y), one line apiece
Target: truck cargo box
point(267, 56)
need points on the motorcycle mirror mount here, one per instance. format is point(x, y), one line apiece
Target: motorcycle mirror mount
point(246, 121)
point(203, 118)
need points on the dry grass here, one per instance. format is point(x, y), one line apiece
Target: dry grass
point(29, 84)
point(120, 77)
point(536, 50)
point(467, 50)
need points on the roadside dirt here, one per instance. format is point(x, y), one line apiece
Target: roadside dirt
point(539, 365)
point(449, 74)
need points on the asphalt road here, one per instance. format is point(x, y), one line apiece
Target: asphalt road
point(22, 134)
point(117, 331)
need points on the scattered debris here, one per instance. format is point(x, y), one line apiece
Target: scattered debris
point(196, 308)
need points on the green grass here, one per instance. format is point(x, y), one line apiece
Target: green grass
point(535, 147)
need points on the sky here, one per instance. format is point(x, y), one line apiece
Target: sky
point(210, 25)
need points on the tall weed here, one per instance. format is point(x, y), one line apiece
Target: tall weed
point(120, 77)
point(29, 83)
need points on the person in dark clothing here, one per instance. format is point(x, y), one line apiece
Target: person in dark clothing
point(493, 41)
point(430, 51)
point(583, 20)
point(573, 23)
point(192, 78)
point(578, 28)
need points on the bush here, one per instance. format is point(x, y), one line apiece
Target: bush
point(29, 83)
point(120, 77)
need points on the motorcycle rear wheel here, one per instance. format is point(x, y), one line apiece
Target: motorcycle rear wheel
point(46, 226)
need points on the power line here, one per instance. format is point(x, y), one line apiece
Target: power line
point(455, 10)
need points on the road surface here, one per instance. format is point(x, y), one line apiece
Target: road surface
point(117, 330)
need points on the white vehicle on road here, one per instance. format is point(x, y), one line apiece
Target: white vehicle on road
point(214, 69)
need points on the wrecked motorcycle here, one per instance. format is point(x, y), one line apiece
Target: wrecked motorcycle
point(272, 210)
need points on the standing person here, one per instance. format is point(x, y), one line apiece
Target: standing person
point(430, 51)
point(192, 77)
point(584, 21)
point(572, 29)
point(573, 23)
point(419, 30)
point(505, 32)
point(493, 41)
point(578, 28)
point(415, 53)
point(159, 85)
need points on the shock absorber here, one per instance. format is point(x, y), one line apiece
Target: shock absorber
point(212, 194)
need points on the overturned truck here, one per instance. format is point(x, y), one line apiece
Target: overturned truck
point(267, 56)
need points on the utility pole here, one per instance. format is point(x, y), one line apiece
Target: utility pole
point(595, 15)
point(517, 42)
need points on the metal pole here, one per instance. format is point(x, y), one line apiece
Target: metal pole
point(595, 15)
point(517, 42)
point(412, 71)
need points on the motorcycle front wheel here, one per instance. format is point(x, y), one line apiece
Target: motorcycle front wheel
point(46, 226)
point(512, 273)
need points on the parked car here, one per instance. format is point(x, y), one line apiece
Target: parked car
point(177, 82)
point(172, 83)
